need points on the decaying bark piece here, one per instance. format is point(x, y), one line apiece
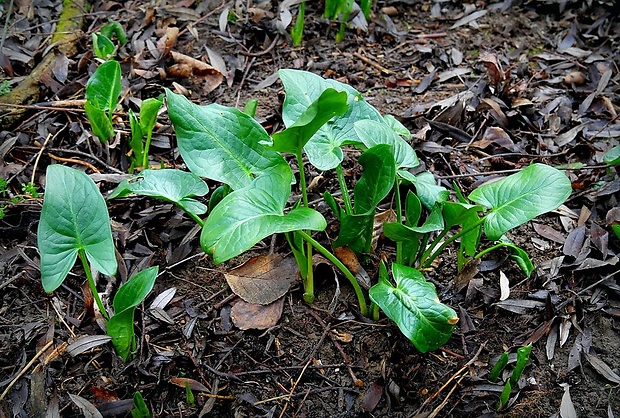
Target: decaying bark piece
point(68, 31)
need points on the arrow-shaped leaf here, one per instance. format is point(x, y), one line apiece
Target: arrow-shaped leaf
point(221, 143)
point(521, 197)
point(74, 217)
point(246, 216)
point(373, 133)
point(323, 149)
point(414, 306)
point(104, 86)
point(173, 186)
point(129, 295)
point(427, 189)
point(329, 104)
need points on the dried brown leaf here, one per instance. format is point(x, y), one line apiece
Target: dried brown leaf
point(504, 286)
point(603, 369)
point(349, 259)
point(372, 397)
point(263, 279)
point(86, 343)
point(377, 228)
point(493, 67)
point(567, 409)
point(189, 67)
point(469, 271)
point(575, 241)
point(193, 384)
point(549, 233)
point(519, 306)
point(249, 316)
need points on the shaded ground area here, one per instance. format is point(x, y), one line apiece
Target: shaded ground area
point(485, 88)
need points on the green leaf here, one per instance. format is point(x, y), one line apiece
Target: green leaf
point(374, 185)
point(505, 395)
point(140, 409)
point(148, 113)
point(302, 89)
point(427, 190)
point(218, 194)
point(414, 306)
point(523, 357)
point(333, 205)
point(74, 217)
point(99, 122)
point(248, 215)
point(296, 242)
point(175, 186)
point(434, 222)
point(297, 31)
point(115, 28)
point(612, 157)
point(250, 107)
point(329, 104)
point(354, 231)
point(221, 143)
point(465, 215)
point(377, 179)
point(521, 197)
point(397, 126)
point(499, 366)
point(131, 294)
point(135, 143)
point(616, 229)
point(372, 133)
point(409, 240)
point(413, 209)
point(104, 87)
point(519, 256)
point(103, 47)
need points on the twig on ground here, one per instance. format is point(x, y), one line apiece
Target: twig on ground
point(74, 161)
point(264, 51)
point(25, 369)
point(372, 63)
point(293, 387)
point(453, 377)
point(345, 357)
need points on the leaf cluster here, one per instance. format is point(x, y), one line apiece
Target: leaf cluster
point(256, 200)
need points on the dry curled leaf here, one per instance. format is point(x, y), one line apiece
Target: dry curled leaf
point(188, 67)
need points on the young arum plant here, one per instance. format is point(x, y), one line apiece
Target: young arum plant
point(102, 97)
point(297, 31)
point(320, 117)
point(75, 224)
point(103, 47)
point(523, 358)
point(143, 127)
point(505, 205)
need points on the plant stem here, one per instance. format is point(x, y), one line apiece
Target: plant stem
point(343, 189)
point(309, 279)
point(399, 219)
point(91, 283)
point(347, 273)
point(374, 310)
point(195, 218)
point(488, 250)
point(426, 251)
point(147, 145)
point(428, 260)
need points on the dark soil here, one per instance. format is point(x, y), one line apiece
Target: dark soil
point(324, 359)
